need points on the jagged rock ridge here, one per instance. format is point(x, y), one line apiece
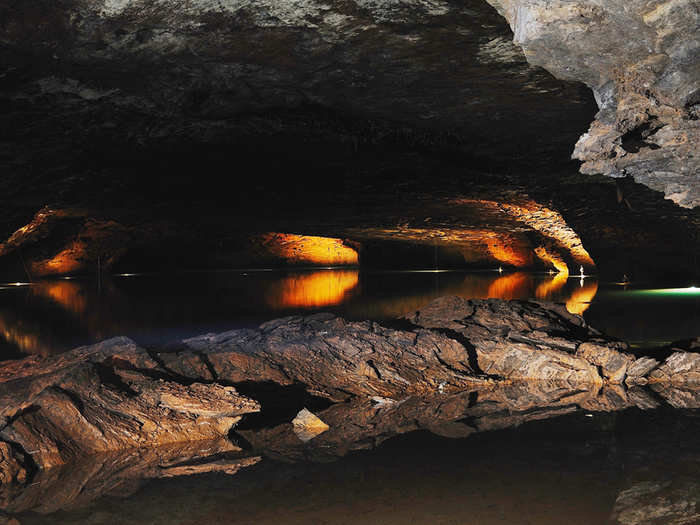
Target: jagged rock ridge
point(642, 60)
point(115, 395)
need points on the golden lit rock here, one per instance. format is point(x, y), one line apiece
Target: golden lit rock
point(78, 243)
point(309, 249)
point(552, 258)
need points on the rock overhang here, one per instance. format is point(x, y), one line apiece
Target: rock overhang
point(96, 91)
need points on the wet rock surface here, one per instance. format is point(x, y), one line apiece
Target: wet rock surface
point(664, 502)
point(362, 424)
point(83, 402)
point(120, 474)
point(116, 396)
point(527, 340)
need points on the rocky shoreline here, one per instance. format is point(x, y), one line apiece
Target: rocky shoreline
point(116, 396)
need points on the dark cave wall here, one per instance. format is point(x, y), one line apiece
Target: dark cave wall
point(189, 124)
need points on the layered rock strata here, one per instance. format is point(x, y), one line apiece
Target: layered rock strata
point(88, 401)
point(642, 60)
point(117, 396)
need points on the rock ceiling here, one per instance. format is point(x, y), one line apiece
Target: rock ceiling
point(112, 104)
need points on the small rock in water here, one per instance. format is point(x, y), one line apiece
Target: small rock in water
point(307, 425)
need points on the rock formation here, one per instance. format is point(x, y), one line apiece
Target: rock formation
point(116, 396)
point(109, 107)
point(642, 60)
point(672, 502)
point(88, 401)
point(122, 472)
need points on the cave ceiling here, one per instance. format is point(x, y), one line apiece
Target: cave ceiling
point(344, 118)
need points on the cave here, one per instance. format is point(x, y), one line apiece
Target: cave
point(259, 253)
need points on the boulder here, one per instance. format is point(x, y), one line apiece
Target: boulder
point(84, 402)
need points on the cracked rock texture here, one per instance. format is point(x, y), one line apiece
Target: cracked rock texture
point(88, 401)
point(116, 396)
point(642, 60)
point(528, 340)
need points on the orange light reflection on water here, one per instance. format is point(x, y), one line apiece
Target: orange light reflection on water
point(511, 286)
point(307, 290)
point(69, 295)
point(547, 289)
point(326, 288)
point(581, 297)
point(323, 288)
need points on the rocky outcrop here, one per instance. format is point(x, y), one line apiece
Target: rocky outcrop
point(12, 468)
point(367, 423)
point(83, 402)
point(658, 503)
point(332, 357)
point(642, 61)
point(679, 368)
point(516, 232)
point(116, 395)
point(529, 340)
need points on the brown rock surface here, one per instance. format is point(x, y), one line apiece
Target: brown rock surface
point(359, 424)
point(679, 368)
point(11, 465)
point(334, 358)
point(366, 423)
point(528, 340)
point(116, 396)
point(85, 402)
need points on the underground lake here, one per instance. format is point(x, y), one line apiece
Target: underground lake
point(349, 262)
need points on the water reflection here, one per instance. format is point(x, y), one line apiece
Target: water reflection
point(53, 316)
point(536, 448)
point(69, 295)
point(581, 297)
point(312, 290)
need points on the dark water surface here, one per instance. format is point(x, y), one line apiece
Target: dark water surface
point(626, 468)
point(53, 316)
point(535, 454)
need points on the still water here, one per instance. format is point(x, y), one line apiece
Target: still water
point(521, 454)
point(53, 316)
point(630, 467)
